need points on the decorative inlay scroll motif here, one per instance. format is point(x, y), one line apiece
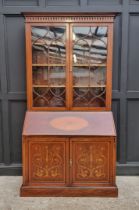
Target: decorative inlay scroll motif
point(91, 161)
point(47, 161)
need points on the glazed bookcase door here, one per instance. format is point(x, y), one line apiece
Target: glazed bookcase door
point(49, 66)
point(90, 161)
point(48, 161)
point(69, 66)
point(90, 70)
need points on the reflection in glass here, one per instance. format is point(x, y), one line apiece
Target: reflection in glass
point(57, 76)
point(85, 77)
point(48, 45)
point(48, 97)
point(89, 66)
point(40, 75)
point(49, 59)
point(89, 97)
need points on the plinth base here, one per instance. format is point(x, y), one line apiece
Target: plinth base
point(28, 191)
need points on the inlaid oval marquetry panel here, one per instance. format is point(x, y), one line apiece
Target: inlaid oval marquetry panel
point(69, 123)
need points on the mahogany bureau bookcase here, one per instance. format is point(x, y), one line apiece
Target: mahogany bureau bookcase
point(69, 138)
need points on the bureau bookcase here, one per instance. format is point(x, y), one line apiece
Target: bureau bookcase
point(69, 138)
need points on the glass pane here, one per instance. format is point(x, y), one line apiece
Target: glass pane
point(88, 76)
point(89, 66)
point(48, 45)
point(48, 97)
point(40, 75)
point(49, 66)
point(57, 76)
point(89, 97)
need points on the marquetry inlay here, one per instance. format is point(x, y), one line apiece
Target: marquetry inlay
point(69, 123)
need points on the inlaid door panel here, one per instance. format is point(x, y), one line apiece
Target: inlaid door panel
point(48, 161)
point(90, 161)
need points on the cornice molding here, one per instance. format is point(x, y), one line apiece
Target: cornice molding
point(43, 18)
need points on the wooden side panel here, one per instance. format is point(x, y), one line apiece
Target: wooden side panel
point(91, 160)
point(48, 161)
point(25, 156)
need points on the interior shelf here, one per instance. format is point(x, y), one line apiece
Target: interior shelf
point(75, 86)
point(86, 86)
point(74, 65)
point(93, 64)
point(39, 64)
point(53, 86)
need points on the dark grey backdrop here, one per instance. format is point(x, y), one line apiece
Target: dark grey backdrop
point(125, 76)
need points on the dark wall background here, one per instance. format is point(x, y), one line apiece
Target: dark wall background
point(125, 76)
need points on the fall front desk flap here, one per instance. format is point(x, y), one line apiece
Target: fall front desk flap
point(69, 123)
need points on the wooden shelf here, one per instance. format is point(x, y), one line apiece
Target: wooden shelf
point(75, 65)
point(39, 64)
point(52, 86)
point(87, 86)
point(75, 86)
point(95, 64)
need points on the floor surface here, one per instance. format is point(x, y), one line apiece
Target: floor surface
point(128, 198)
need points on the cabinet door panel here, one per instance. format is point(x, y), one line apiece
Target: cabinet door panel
point(48, 161)
point(90, 161)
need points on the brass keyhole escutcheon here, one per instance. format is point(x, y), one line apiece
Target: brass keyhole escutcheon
point(70, 162)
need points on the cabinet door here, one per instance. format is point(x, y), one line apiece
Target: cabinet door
point(91, 161)
point(48, 161)
point(47, 66)
point(91, 66)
